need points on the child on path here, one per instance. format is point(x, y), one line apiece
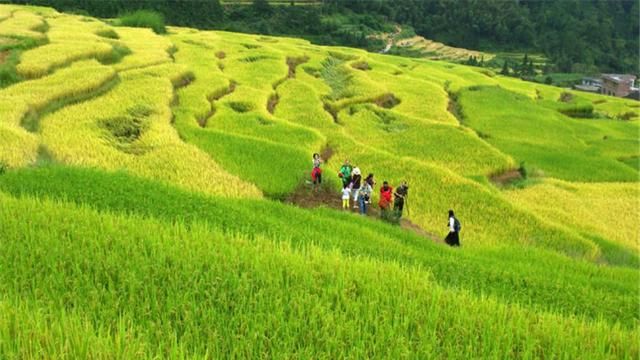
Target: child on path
point(316, 173)
point(346, 194)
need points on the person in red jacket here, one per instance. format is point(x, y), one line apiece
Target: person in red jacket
point(386, 192)
point(316, 173)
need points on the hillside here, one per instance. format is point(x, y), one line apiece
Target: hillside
point(147, 181)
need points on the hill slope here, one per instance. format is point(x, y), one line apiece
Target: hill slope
point(142, 202)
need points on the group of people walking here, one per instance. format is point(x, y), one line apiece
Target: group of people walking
point(391, 204)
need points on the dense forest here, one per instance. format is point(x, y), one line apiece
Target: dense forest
point(576, 35)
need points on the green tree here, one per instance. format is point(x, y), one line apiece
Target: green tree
point(531, 70)
point(522, 70)
point(261, 7)
point(505, 68)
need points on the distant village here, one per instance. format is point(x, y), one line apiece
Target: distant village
point(620, 85)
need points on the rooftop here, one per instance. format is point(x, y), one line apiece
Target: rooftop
point(619, 77)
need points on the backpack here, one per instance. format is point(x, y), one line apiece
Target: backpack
point(456, 225)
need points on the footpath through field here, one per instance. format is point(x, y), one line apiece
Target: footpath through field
point(306, 197)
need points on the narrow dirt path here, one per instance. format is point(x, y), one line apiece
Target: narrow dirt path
point(391, 40)
point(213, 97)
point(31, 120)
point(306, 197)
point(292, 64)
point(3, 56)
point(507, 177)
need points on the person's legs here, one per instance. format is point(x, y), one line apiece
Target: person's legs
point(397, 209)
point(384, 212)
point(355, 197)
point(456, 239)
point(449, 239)
point(363, 206)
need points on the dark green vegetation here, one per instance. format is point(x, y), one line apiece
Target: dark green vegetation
point(144, 18)
point(575, 35)
point(10, 50)
point(562, 285)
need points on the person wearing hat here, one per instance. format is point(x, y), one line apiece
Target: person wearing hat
point(356, 182)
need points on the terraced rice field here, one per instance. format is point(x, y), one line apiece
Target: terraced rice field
point(143, 212)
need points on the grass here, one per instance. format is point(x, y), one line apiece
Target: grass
point(10, 53)
point(23, 24)
point(591, 208)
point(142, 213)
point(23, 102)
point(8, 74)
point(337, 77)
point(560, 152)
point(163, 151)
point(147, 49)
point(560, 79)
point(201, 304)
point(445, 146)
point(144, 18)
point(552, 287)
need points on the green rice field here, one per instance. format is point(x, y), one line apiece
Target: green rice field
point(155, 202)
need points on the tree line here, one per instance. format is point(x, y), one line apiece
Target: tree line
point(576, 35)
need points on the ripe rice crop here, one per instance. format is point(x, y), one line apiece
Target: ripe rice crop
point(28, 98)
point(560, 152)
point(147, 48)
point(447, 146)
point(22, 24)
point(150, 188)
point(82, 135)
point(607, 209)
point(349, 294)
point(41, 60)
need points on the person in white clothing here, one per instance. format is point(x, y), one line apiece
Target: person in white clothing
point(453, 238)
point(356, 183)
point(346, 194)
